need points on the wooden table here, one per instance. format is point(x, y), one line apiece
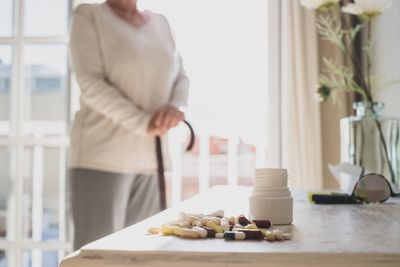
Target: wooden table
point(330, 235)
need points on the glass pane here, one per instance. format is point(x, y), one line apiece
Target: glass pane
point(50, 259)
point(5, 191)
point(246, 163)
point(4, 259)
point(26, 259)
point(51, 174)
point(46, 17)
point(27, 197)
point(43, 169)
point(218, 160)
point(6, 17)
point(190, 171)
point(39, 258)
point(46, 75)
point(189, 166)
point(5, 88)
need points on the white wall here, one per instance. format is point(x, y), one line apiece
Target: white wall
point(386, 58)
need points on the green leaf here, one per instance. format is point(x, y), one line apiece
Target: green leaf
point(329, 30)
point(339, 78)
point(354, 31)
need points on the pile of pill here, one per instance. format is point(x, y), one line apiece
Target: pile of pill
point(216, 225)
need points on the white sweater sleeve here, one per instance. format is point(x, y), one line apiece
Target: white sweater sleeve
point(180, 92)
point(96, 91)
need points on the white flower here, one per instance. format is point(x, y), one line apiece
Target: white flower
point(318, 4)
point(367, 9)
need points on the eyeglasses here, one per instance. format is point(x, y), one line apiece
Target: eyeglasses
point(370, 188)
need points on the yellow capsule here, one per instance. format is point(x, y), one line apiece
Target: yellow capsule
point(251, 226)
point(191, 219)
point(154, 230)
point(178, 230)
point(216, 227)
point(188, 233)
point(205, 220)
point(169, 230)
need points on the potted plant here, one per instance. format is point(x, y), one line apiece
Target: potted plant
point(368, 139)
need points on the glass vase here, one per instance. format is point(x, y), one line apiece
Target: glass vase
point(371, 140)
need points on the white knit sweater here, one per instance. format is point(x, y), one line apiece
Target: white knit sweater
point(124, 73)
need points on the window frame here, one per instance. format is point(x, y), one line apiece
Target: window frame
point(17, 141)
point(274, 83)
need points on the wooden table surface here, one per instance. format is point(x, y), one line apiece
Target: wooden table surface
point(323, 235)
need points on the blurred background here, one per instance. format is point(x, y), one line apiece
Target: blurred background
point(39, 95)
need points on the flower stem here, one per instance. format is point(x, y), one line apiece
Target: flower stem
point(356, 64)
point(369, 36)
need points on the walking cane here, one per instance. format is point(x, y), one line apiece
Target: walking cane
point(160, 165)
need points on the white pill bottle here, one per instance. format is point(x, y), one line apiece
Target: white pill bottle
point(271, 198)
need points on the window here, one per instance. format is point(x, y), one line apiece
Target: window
point(34, 108)
point(224, 49)
point(5, 81)
point(6, 16)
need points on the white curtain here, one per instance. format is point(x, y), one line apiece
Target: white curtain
point(301, 151)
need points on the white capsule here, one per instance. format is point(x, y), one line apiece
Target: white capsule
point(182, 215)
point(233, 235)
point(191, 219)
point(240, 236)
point(225, 224)
point(207, 219)
point(278, 234)
point(184, 224)
point(201, 231)
point(173, 223)
point(218, 213)
point(287, 236)
point(269, 236)
point(185, 215)
point(219, 235)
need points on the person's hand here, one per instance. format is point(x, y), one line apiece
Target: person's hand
point(164, 119)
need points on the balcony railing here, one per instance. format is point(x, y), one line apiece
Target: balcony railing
point(192, 172)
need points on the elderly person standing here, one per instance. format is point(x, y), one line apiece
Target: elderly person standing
point(132, 85)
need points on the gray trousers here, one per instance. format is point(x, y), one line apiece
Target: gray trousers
point(104, 202)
